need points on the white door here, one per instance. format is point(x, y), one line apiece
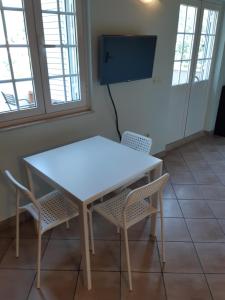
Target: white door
point(193, 61)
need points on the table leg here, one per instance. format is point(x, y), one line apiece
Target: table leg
point(30, 180)
point(156, 173)
point(85, 246)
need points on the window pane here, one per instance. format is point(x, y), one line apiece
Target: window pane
point(68, 30)
point(57, 91)
point(199, 71)
point(5, 73)
point(188, 46)
point(70, 61)
point(16, 34)
point(51, 29)
point(67, 6)
point(12, 3)
point(182, 18)
point(73, 88)
point(210, 47)
point(26, 96)
point(176, 72)
point(209, 23)
point(184, 73)
point(179, 46)
point(54, 60)
point(50, 5)
point(2, 35)
point(7, 89)
point(191, 19)
point(21, 62)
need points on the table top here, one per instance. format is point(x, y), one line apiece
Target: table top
point(91, 168)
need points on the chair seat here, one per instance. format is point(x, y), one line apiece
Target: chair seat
point(112, 210)
point(55, 209)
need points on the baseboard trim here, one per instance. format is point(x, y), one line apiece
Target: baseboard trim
point(185, 140)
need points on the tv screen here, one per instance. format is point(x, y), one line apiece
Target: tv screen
point(126, 58)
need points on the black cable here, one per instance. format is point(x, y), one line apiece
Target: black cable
point(116, 114)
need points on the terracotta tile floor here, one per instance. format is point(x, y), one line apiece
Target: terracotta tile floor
point(194, 233)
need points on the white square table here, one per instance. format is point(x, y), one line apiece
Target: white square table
point(86, 171)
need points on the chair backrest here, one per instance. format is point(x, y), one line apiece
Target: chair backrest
point(147, 190)
point(136, 141)
point(22, 189)
point(9, 100)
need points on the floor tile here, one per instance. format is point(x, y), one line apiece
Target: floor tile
point(4, 245)
point(193, 156)
point(27, 230)
point(213, 192)
point(105, 285)
point(196, 209)
point(178, 166)
point(168, 192)
point(222, 224)
point(173, 156)
point(55, 285)
point(198, 165)
point(205, 230)
point(143, 256)
point(188, 191)
point(212, 156)
point(182, 178)
point(218, 168)
point(171, 209)
point(218, 208)
point(140, 231)
point(216, 285)
point(28, 255)
point(181, 258)
point(62, 255)
point(175, 229)
point(212, 257)
point(206, 177)
point(186, 287)
point(107, 256)
point(145, 286)
point(103, 229)
point(62, 232)
point(15, 284)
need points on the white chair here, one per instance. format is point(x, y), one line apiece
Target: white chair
point(130, 207)
point(136, 141)
point(48, 211)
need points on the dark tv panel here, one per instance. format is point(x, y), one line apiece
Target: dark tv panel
point(126, 58)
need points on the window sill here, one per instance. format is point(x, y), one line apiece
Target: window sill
point(34, 120)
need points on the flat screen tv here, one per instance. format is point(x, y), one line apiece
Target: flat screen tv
point(126, 58)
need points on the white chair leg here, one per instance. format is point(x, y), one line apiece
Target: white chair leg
point(67, 225)
point(39, 260)
point(91, 231)
point(128, 259)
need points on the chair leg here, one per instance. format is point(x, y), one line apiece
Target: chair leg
point(91, 231)
point(39, 260)
point(128, 259)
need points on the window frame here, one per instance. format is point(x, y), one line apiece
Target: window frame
point(35, 35)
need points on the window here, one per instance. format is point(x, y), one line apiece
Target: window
point(184, 44)
point(43, 61)
point(206, 46)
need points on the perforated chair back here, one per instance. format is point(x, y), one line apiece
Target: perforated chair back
point(21, 189)
point(146, 191)
point(136, 141)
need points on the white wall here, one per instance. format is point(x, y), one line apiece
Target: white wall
point(143, 106)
